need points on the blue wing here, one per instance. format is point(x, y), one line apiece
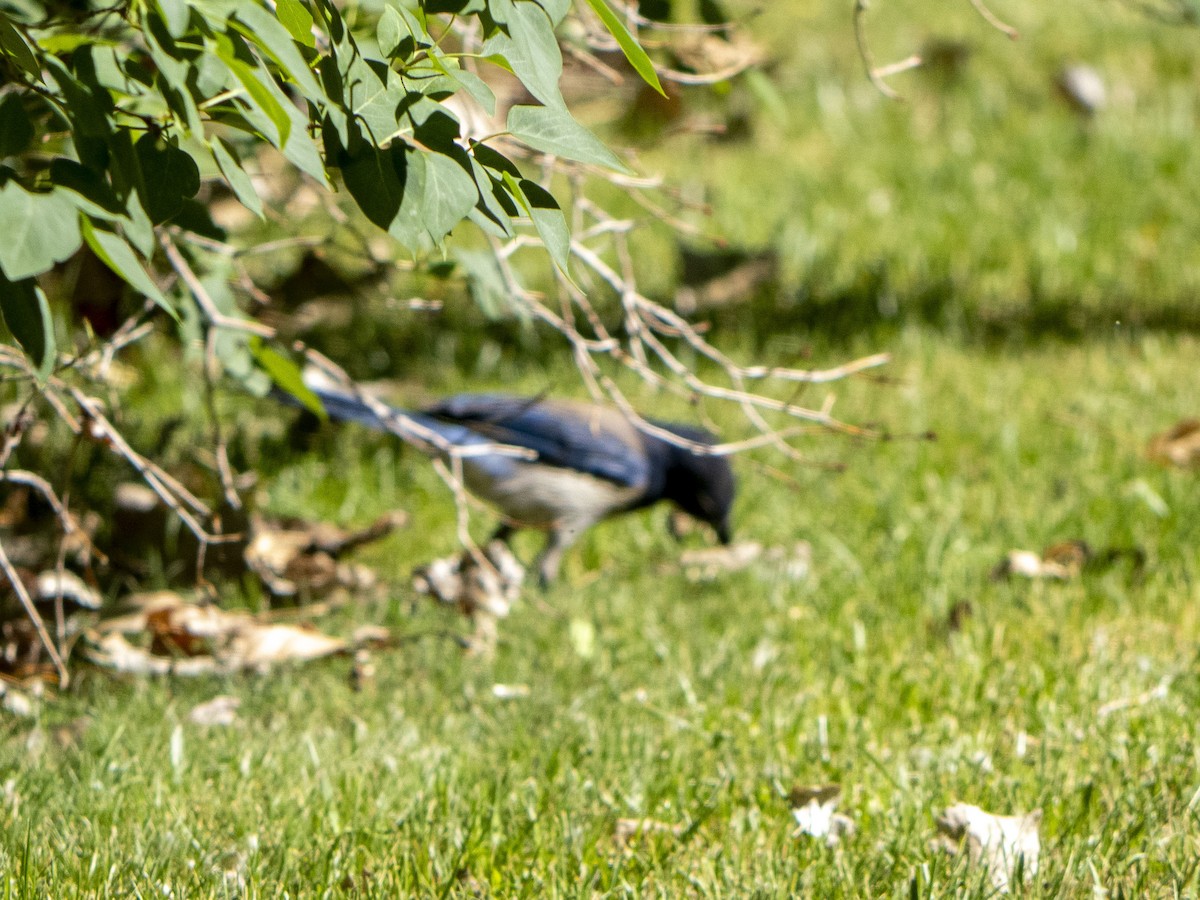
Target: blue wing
point(589, 439)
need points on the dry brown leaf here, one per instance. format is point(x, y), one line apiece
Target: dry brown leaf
point(190, 639)
point(997, 843)
point(1065, 560)
point(489, 589)
point(296, 557)
point(814, 809)
point(1179, 446)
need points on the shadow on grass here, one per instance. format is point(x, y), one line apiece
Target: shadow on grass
point(873, 306)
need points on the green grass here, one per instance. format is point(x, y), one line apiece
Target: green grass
point(969, 232)
point(701, 705)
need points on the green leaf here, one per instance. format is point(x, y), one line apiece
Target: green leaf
point(27, 315)
point(176, 14)
point(531, 50)
point(629, 46)
point(87, 189)
point(169, 176)
point(553, 130)
point(286, 374)
point(464, 80)
point(391, 32)
point(490, 212)
point(450, 193)
point(266, 31)
point(15, 47)
point(297, 20)
point(238, 180)
point(261, 97)
point(40, 229)
point(138, 227)
point(547, 218)
point(486, 283)
point(114, 252)
point(16, 131)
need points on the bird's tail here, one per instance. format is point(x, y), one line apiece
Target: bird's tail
point(344, 406)
point(339, 403)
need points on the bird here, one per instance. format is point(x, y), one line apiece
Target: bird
point(588, 462)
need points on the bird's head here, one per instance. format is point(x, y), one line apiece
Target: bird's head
point(700, 484)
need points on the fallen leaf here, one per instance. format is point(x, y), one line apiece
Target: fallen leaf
point(489, 586)
point(629, 828)
point(219, 711)
point(510, 691)
point(707, 564)
point(1179, 446)
point(1065, 560)
point(711, 562)
point(294, 557)
point(17, 702)
point(192, 639)
point(814, 809)
point(74, 590)
point(998, 843)
point(1028, 564)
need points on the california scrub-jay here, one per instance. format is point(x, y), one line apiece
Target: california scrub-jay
point(591, 462)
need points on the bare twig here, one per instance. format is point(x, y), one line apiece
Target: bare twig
point(18, 586)
point(874, 73)
point(991, 18)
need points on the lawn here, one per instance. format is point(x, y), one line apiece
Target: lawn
point(701, 705)
point(1033, 276)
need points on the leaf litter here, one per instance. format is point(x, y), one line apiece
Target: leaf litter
point(1002, 845)
point(1064, 561)
point(814, 807)
point(189, 638)
point(1177, 446)
point(710, 563)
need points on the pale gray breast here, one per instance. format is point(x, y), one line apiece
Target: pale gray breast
point(537, 496)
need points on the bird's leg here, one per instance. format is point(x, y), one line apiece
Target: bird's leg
point(503, 534)
point(550, 558)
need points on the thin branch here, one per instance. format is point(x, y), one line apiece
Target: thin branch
point(18, 586)
point(874, 73)
point(991, 19)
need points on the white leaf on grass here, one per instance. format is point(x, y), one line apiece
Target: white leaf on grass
point(221, 710)
point(711, 562)
point(1028, 564)
point(53, 584)
point(18, 703)
point(510, 691)
point(176, 751)
point(998, 843)
point(815, 811)
point(707, 564)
